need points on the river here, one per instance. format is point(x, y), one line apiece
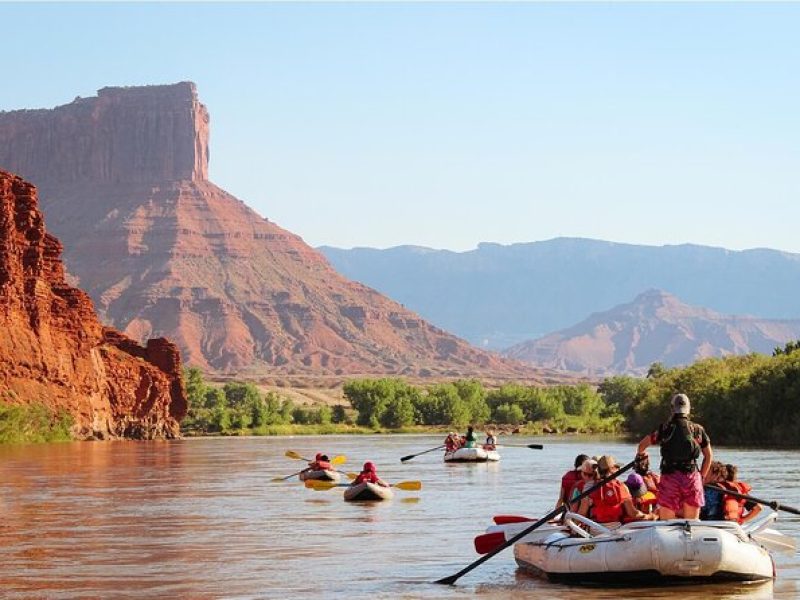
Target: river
point(201, 518)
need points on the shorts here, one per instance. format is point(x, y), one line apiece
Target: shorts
point(676, 489)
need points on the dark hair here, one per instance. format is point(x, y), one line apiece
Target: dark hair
point(732, 472)
point(579, 460)
point(642, 466)
point(324, 457)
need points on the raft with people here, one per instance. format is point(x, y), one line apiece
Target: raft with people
point(476, 454)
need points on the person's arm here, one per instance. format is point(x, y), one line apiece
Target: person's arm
point(753, 510)
point(634, 513)
point(644, 444)
point(585, 505)
point(708, 456)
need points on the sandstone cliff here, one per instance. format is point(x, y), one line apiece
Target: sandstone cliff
point(164, 252)
point(54, 350)
point(655, 327)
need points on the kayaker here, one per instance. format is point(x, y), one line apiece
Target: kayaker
point(321, 462)
point(470, 439)
point(680, 491)
point(643, 499)
point(712, 510)
point(611, 502)
point(734, 508)
point(369, 474)
point(569, 479)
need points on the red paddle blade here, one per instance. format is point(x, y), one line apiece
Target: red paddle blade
point(487, 542)
point(503, 519)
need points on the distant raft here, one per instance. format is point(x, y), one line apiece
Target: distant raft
point(477, 454)
point(364, 491)
point(321, 475)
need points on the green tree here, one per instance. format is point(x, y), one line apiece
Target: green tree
point(510, 414)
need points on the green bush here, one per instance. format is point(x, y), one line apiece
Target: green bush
point(33, 423)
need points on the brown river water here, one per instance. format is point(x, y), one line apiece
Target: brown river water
point(200, 518)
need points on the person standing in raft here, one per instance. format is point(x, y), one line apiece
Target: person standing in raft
point(680, 491)
point(369, 474)
point(470, 439)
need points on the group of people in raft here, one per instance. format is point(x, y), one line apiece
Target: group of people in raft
point(678, 492)
point(369, 473)
point(453, 441)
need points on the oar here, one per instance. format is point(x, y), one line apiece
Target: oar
point(771, 503)
point(531, 446)
point(336, 460)
point(410, 456)
point(319, 485)
point(553, 513)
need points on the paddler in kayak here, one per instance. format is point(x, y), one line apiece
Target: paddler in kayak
point(369, 474)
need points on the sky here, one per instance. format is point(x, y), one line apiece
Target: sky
point(449, 124)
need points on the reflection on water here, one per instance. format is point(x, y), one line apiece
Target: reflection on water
point(201, 519)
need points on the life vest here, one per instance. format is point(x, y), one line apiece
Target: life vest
point(569, 479)
point(645, 503)
point(607, 502)
point(680, 447)
point(732, 507)
point(369, 477)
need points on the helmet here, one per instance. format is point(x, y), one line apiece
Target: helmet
point(318, 456)
point(369, 466)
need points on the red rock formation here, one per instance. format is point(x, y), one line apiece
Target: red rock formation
point(162, 251)
point(53, 348)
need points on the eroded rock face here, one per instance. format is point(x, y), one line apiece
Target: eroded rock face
point(164, 252)
point(54, 350)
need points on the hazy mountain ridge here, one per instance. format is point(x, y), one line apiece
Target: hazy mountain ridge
point(654, 327)
point(509, 294)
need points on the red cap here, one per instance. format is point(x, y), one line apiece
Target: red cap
point(318, 456)
point(369, 466)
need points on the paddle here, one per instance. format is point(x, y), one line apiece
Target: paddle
point(410, 456)
point(771, 503)
point(553, 513)
point(350, 476)
point(319, 485)
point(531, 446)
point(336, 460)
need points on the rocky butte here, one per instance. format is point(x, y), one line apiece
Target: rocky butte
point(54, 350)
point(162, 251)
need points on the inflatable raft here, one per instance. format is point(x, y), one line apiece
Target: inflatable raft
point(651, 552)
point(367, 491)
point(477, 454)
point(321, 474)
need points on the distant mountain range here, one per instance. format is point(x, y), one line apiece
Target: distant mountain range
point(655, 327)
point(498, 296)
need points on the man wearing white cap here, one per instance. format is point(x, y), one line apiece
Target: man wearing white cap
point(680, 491)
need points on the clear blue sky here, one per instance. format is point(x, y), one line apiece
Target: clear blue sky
point(449, 124)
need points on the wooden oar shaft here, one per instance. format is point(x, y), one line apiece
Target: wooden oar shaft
point(771, 503)
point(553, 513)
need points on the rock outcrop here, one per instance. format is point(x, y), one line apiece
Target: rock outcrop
point(655, 327)
point(55, 351)
point(164, 252)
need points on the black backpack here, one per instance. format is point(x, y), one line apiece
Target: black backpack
point(679, 448)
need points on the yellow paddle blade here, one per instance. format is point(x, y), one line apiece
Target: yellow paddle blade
point(293, 454)
point(411, 486)
point(351, 475)
point(316, 484)
point(339, 460)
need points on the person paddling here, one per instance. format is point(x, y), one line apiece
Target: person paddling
point(734, 508)
point(680, 491)
point(491, 441)
point(369, 474)
point(321, 462)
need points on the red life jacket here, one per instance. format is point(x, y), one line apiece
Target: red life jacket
point(732, 507)
point(607, 501)
point(368, 476)
point(568, 481)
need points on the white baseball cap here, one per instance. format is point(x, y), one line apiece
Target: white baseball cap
point(680, 404)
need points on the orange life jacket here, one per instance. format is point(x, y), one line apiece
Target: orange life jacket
point(732, 507)
point(645, 503)
point(607, 502)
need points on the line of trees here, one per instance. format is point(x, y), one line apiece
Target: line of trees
point(752, 399)
point(394, 403)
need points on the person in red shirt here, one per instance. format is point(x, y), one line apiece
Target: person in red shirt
point(369, 474)
point(321, 462)
point(611, 502)
point(569, 479)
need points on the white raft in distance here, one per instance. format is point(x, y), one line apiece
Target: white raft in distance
point(477, 454)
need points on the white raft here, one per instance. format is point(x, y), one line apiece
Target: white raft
point(367, 491)
point(477, 454)
point(649, 552)
point(321, 475)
